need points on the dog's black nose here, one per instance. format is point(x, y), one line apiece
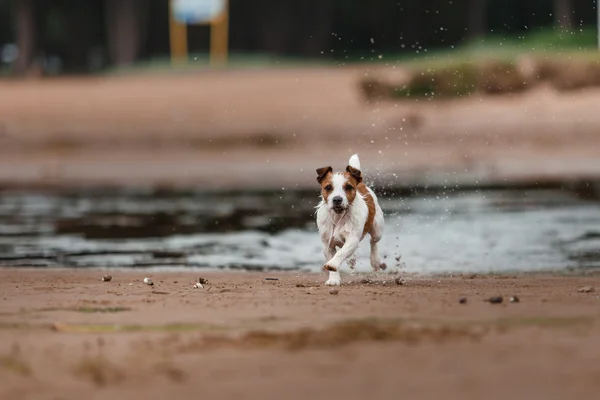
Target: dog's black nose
point(337, 200)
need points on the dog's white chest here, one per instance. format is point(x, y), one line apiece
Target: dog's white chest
point(334, 230)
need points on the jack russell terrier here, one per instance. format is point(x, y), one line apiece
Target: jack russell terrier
point(347, 212)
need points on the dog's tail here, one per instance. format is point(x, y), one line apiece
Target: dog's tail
point(354, 162)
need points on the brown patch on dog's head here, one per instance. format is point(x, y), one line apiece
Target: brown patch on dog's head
point(355, 173)
point(342, 186)
point(324, 178)
point(322, 173)
point(353, 179)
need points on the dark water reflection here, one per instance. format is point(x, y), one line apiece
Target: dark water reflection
point(429, 231)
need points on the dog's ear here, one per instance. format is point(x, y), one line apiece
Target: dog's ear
point(355, 173)
point(322, 173)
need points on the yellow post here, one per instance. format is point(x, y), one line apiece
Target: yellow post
point(178, 39)
point(219, 37)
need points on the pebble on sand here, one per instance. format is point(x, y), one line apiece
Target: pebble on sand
point(106, 278)
point(148, 281)
point(514, 299)
point(334, 291)
point(200, 284)
point(495, 300)
point(462, 300)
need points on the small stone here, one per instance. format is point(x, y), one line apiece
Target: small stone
point(586, 289)
point(148, 282)
point(271, 279)
point(106, 278)
point(514, 299)
point(203, 281)
point(462, 300)
point(300, 285)
point(366, 281)
point(495, 300)
point(198, 285)
point(399, 281)
point(334, 291)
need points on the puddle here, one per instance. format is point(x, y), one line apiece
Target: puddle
point(431, 232)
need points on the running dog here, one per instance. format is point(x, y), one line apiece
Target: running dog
point(348, 211)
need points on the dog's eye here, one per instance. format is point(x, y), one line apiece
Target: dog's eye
point(349, 187)
point(329, 188)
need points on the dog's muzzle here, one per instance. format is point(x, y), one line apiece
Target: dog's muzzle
point(338, 202)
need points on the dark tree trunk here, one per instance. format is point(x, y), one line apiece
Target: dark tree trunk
point(274, 25)
point(412, 29)
point(477, 24)
point(126, 20)
point(26, 35)
point(80, 34)
point(563, 13)
point(313, 27)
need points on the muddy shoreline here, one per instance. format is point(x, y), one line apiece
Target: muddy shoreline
point(583, 187)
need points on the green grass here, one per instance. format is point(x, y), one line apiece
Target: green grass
point(553, 42)
point(103, 310)
point(547, 41)
point(14, 363)
point(543, 322)
point(489, 65)
point(201, 62)
point(114, 328)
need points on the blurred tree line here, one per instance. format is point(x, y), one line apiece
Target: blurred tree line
point(89, 35)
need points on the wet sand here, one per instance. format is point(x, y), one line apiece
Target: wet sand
point(271, 128)
point(64, 334)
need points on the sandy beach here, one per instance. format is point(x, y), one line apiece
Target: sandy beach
point(65, 334)
point(231, 129)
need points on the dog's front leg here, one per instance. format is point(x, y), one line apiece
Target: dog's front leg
point(333, 265)
point(329, 253)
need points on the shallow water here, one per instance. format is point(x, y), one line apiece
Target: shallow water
point(434, 232)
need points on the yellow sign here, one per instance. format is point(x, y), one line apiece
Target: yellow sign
point(191, 12)
point(188, 12)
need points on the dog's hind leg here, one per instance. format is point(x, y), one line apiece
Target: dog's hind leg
point(376, 235)
point(376, 263)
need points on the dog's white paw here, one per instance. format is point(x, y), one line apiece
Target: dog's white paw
point(333, 282)
point(334, 279)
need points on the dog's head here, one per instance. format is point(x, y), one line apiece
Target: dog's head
point(339, 189)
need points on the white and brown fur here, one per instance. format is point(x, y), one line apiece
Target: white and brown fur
point(348, 211)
